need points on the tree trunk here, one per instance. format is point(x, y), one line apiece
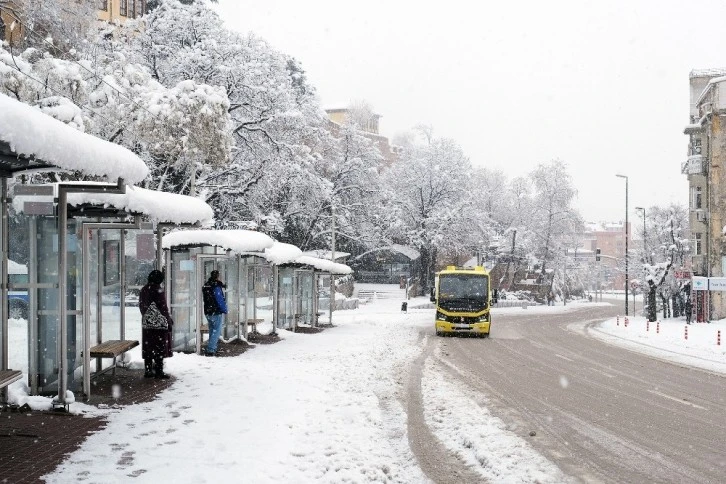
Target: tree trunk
point(675, 301)
point(425, 277)
point(652, 311)
point(664, 301)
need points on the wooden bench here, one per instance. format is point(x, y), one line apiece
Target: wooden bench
point(112, 349)
point(9, 376)
point(6, 378)
point(254, 323)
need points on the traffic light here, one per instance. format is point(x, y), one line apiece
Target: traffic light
point(597, 255)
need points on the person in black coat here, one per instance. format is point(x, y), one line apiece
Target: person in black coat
point(155, 343)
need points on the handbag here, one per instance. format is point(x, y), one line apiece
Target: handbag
point(153, 319)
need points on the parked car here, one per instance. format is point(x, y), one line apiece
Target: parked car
point(18, 300)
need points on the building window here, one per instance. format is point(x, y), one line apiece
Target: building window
point(696, 198)
point(103, 5)
point(138, 8)
point(123, 7)
point(697, 245)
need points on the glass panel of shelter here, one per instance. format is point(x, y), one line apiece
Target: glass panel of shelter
point(259, 289)
point(229, 275)
point(181, 292)
point(305, 289)
point(286, 297)
point(140, 258)
point(35, 243)
point(184, 291)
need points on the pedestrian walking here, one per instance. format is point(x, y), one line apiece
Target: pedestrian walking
point(688, 308)
point(156, 326)
point(215, 307)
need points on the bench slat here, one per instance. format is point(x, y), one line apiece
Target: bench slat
point(9, 376)
point(112, 348)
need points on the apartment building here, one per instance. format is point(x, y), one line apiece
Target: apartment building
point(369, 127)
point(120, 10)
point(610, 239)
point(704, 167)
point(11, 29)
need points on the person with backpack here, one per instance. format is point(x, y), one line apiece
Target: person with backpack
point(215, 307)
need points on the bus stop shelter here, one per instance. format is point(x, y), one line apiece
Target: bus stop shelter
point(110, 251)
point(190, 257)
point(313, 269)
point(31, 141)
point(296, 284)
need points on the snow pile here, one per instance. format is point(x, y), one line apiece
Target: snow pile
point(15, 268)
point(33, 134)
point(238, 241)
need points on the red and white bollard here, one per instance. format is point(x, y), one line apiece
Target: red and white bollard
point(617, 320)
point(626, 321)
point(718, 338)
point(647, 325)
point(686, 333)
point(657, 327)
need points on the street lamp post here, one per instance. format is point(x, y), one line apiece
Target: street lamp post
point(645, 252)
point(626, 241)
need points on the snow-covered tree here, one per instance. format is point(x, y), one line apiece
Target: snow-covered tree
point(555, 218)
point(121, 102)
point(276, 121)
point(668, 246)
point(426, 200)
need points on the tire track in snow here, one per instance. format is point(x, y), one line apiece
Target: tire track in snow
point(437, 462)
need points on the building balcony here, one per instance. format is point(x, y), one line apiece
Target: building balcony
point(694, 165)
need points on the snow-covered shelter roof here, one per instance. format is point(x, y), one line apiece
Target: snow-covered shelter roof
point(325, 254)
point(412, 254)
point(238, 241)
point(281, 253)
point(323, 265)
point(30, 139)
point(156, 206)
point(711, 72)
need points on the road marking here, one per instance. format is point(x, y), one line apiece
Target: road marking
point(564, 357)
point(676, 399)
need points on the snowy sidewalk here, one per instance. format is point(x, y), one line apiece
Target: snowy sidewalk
point(696, 344)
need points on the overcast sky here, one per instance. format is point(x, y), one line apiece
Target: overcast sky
point(600, 85)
